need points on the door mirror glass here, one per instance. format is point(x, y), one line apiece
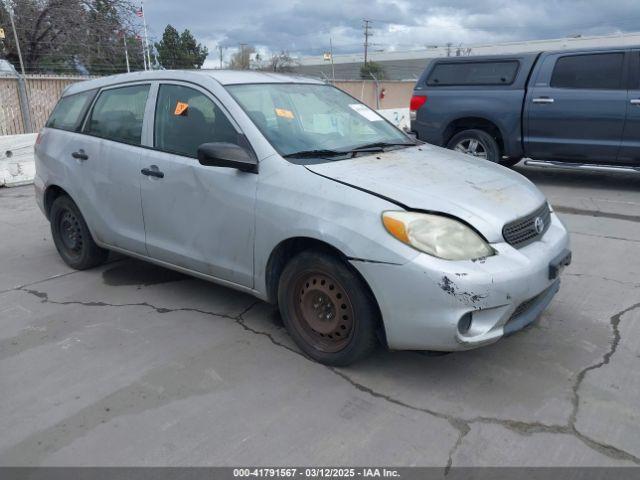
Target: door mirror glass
point(222, 154)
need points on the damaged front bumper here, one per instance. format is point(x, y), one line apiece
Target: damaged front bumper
point(434, 304)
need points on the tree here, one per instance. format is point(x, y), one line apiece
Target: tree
point(241, 60)
point(71, 36)
point(281, 62)
point(370, 68)
point(180, 50)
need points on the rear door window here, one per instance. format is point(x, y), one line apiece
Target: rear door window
point(118, 114)
point(593, 71)
point(186, 118)
point(473, 73)
point(69, 111)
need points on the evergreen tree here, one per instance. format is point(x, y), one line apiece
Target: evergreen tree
point(177, 50)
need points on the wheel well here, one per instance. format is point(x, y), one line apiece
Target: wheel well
point(476, 123)
point(50, 195)
point(287, 249)
point(284, 252)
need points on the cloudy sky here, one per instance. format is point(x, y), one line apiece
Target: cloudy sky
point(303, 27)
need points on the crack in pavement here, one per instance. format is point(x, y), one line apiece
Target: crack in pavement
point(614, 321)
point(608, 237)
point(596, 213)
point(53, 277)
point(606, 279)
point(461, 425)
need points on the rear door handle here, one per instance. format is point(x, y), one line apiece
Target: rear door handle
point(635, 101)
point(152, 171)
point(543, 100)
point(80, 155)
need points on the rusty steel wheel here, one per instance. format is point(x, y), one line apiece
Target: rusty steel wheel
point(324, 312)
point(327, 308)
point(72, 237)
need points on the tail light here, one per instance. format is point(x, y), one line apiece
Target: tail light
point(417, 101)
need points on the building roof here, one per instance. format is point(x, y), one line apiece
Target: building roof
point(408, 65)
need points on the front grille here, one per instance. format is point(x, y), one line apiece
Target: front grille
point(523, 231)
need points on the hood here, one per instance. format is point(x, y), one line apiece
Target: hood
point(482, 193)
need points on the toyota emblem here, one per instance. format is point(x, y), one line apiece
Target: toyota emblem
point(539, 225)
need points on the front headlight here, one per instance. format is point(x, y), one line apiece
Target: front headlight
point(436, 235)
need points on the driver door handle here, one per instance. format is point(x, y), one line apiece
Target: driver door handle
point(152, 171)
point(80, 155)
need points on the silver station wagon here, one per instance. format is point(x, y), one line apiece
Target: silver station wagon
point(295, 192)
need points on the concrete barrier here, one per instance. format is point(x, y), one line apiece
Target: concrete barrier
point(17, 165)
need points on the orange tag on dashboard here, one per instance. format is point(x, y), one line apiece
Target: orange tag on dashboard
point(281, 112)
point(181, 108)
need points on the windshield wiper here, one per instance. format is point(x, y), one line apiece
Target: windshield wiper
point(379, 146)
point(315, 153)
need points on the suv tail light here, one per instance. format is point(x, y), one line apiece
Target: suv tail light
point(417, 101)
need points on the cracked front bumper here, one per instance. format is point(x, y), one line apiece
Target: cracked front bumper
point(423, 301)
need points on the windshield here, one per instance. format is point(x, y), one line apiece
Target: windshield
point(319, 120)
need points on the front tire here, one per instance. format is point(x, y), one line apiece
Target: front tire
point(476, 143)
point(72, 237)
point(327, 309)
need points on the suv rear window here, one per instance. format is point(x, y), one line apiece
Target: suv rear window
point(474, 73)
point(594, 71)
point(69, 111)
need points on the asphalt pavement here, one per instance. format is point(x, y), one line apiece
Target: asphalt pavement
point(132, 364)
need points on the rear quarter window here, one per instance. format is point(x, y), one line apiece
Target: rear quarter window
point(473, 73)
point(68, 113)
point(118, 114)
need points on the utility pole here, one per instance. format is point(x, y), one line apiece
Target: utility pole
point(221, 53)
point(25, 107)
point(367, 26)
point(333, 71)
point(9, 6)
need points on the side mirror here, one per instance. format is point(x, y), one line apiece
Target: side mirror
point(221, 154)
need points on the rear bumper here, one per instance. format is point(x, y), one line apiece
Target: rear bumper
point(425, 302)
point(39, 187)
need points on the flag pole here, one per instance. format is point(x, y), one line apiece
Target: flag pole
point(146, 37)
point(126, 52)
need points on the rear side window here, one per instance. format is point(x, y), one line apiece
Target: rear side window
point(118, 114)
point(187, 118)
point(473, 73)
point(594, 71)
point(69, 111)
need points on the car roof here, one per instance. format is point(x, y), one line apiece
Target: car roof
point(223, 77)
